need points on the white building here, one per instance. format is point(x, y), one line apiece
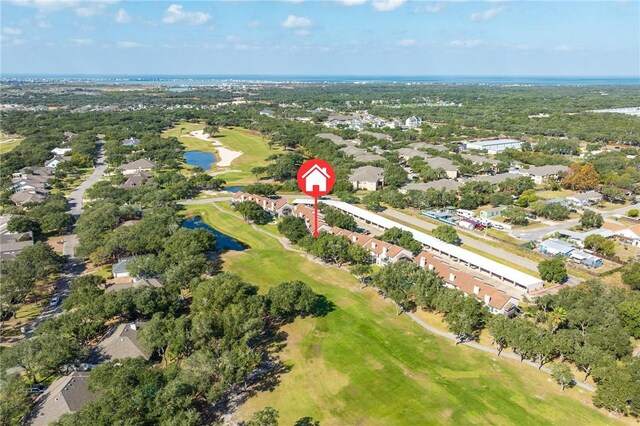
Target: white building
point(413, 122)
point(494, 146)
point(453, 253)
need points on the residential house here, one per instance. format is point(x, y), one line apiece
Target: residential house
point(131, 141)
point(144, 282)
point(446, 184)
point(338, 140)
point(494, 146)
point(29, 197)
point(25, 172)
point(141, 165)
point(583, 199)
point(492, 212)
point(409, 153)
point(479, 159)
point(542, 173)
point(555, 247)
point(425, 145)
point(369, 178)
point(13, 243)
point(367, 158)
point(56, 161)
point(29, 183)
point(447, 165)
point(413, 122)
point(122, 342)
point(630, 235)
point(119, 270)
point(587, 259)
point(4, 222)
point(69, 136)
point(379, 136)
point(267, 112)
point(384, 253)
point(279, 207)
point(61, 151)
point(496, 301)
point(65, 395)
point(335, 120)
point(494, 179)
point(577, 238)
point(137, 179)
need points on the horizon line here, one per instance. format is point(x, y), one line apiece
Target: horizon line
point(322, 75)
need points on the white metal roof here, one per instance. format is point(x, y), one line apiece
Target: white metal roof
point(494, 142)
point(525, 280)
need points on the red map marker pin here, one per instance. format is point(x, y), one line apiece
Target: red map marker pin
point(316, 178)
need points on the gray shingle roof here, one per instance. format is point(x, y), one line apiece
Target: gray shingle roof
point(367, 174)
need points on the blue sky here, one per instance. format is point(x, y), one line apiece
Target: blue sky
point(314, 37)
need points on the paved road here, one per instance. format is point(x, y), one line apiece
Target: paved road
point(476, 244)
point(468, 241)
point(72, 268)
point(77, 195)
point(69, 245)
point(536, 234)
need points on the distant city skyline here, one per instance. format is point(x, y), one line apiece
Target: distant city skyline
point(314, 38)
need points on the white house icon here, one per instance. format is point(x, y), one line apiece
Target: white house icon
point(315, 176)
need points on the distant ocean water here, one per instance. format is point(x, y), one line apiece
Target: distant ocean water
point(202, 80)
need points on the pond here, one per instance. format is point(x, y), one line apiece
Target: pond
point(200, 159)
point(223, 241)
point(234, 189)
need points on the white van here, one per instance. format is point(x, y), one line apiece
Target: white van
point(465, 213)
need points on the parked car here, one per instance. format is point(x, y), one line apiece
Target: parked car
point(36, 389)
point(54, 301)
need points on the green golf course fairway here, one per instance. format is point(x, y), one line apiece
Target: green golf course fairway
point(362, 364)
point(254, 148)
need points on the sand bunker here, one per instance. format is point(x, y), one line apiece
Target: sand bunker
point(200, 134)
point(227, 156)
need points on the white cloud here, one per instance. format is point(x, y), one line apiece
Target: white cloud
point(352, 2)
point(407, 42)
point(128, 45)
point(122, 17)
point(18, 42)
point(303, 33)
point(434, 7)
point(91, 9)
point(11, 31)
point(293, 21)
point(466, 43)
point(174, 14)
point(241, 47)
point(254, 24)
point(563, 48)
point(293, 1)
point(485, 15)
point(82, 41)
point(387, 5)
point(51, 5)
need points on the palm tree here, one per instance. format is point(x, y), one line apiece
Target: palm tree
point(556, 318)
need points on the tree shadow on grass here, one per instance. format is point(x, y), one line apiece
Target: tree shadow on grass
point(322, 307)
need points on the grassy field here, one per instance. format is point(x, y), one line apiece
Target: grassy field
point(363, 364)
point(254, 149)
point(8, 142)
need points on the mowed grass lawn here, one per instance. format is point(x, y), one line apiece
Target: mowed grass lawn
point(8, 142)
point(363, 364)
point(254, 148)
